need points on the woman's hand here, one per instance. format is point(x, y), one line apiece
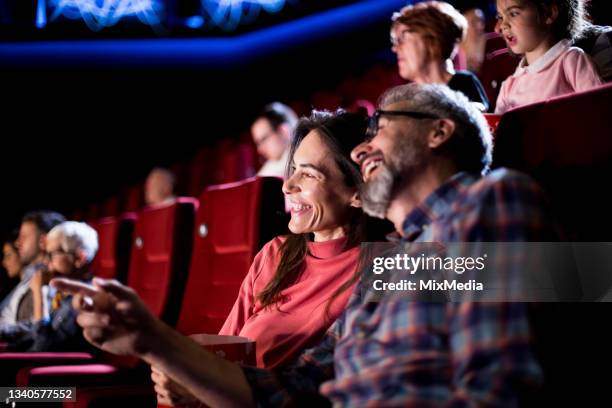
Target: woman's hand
point(169, 392)
point(112, 315)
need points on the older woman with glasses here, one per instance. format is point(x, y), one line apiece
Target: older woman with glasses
point(425, 37)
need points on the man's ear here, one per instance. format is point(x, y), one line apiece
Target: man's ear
point(442, 130)
point(80, 259)
point(42, 241)
point(284, 130)
point(355, 201)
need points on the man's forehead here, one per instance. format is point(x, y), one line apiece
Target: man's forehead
point(398, 106)
point(262, 124)
point(28, 227)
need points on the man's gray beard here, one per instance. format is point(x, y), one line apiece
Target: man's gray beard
point(376, 194)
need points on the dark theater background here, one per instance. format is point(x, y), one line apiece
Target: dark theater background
point(91, 104)
point(89, 110)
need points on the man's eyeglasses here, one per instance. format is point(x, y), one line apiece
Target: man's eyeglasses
point(264, 138)
point(373, 126)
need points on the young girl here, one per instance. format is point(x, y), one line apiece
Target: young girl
point(542, 31)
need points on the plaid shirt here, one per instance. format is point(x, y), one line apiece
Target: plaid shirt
point(404, 353)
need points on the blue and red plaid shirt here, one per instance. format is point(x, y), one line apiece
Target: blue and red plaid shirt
point(397, 352)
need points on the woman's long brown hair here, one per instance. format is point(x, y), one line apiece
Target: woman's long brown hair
point(341, 132)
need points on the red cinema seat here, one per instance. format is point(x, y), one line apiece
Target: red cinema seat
point(114, 246)
point(492, 121)
point(565, 144)
point(498, 65)
point(110, 207)
point(92, 213)
point(12, 362)
point(234, 160)
point(201, 171)
point(133, 198)
point(232, 224)
point(160, 255)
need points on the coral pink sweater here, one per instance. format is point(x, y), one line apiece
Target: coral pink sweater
point(280, 335)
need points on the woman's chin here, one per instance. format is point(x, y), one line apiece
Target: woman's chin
point(297, 229)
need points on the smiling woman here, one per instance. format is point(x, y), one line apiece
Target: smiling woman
point(322, 190)
point(300, 283)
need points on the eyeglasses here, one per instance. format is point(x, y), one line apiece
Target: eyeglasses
point(54, 253)
point(264, 138)
point(399, 40)
point(373, 126)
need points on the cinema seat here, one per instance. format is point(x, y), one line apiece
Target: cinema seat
point(232, 224)
point(234, 161)
point(201, 171)
point(110, 207)
point(11, 362)
point(160, 255)
point(498, 65)
point(492, 121)
point(565, 144)
point(114, 239)
point(133, 198)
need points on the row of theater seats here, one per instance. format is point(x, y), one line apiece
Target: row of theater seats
point(225, 162)
point(185, 260)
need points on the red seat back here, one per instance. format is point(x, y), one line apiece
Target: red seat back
point(498, 65)
point(133, 198)
point(160, 255)
point(232, 224)
point(565, 144)
point(114, 246)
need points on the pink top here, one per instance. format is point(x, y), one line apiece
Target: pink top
point(281, 335)
point(562, 70)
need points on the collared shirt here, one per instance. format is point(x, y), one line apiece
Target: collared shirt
point(562, 70)
point(9, 307)
point(404, 353)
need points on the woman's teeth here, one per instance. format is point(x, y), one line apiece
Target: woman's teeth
point(301, 207)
